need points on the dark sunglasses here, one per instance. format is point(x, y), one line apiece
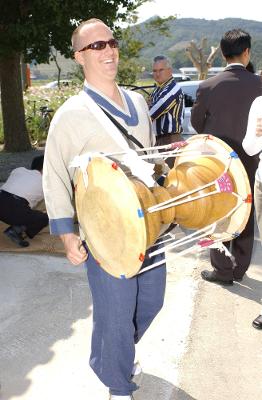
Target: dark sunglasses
point(101, 45)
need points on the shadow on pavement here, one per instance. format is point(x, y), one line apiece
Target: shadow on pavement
point(249, 288)
point(41, 298)
point(154, 388)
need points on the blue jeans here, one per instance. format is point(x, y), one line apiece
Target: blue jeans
point(123, 309)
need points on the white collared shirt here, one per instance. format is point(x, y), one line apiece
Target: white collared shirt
point(25, 183)
point(252, 144)
point(233, 64)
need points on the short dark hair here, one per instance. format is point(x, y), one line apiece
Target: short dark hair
point(37, 163)
point(234, 42)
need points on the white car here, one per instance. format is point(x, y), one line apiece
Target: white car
point(54, 84)
point(189, 89)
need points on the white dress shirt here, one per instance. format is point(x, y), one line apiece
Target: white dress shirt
point(25, 183)
point(252, 144)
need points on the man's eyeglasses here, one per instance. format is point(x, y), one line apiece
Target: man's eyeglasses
point(101, 45)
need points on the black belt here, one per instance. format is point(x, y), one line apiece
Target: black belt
point(14, 196)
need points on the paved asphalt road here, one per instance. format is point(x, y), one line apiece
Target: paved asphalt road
point(202, 345)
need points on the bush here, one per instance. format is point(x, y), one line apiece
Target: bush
point(36, 97)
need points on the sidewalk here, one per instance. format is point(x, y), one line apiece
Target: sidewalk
point(224, 357)
point(201, 346)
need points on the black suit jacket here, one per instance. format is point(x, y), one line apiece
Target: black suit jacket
point(222, 106)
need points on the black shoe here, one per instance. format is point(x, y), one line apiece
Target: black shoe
point(16, 237)
point(238, 279)
point(19, 229)
point(211, 276)
point(257, 323)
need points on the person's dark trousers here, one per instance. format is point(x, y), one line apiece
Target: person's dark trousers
point(16, 211)
point(241, 249)
point(168, 138)
point(242, 246)
point(123, 309)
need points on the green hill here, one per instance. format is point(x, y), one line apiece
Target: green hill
point(183, 30)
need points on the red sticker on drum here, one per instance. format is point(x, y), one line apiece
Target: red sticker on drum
point(141, 257)
point(225, 183)
point(249, 198)
point(114, 165)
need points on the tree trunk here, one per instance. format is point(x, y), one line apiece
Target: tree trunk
point(201, 62)
point(15, 133)
point(54, 56)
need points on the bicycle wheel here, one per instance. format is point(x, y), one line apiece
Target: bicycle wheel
point(31, 129)
point(44, 127)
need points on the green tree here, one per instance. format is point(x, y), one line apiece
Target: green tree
point(130, 65)
point(30, 29)
point(129, 50)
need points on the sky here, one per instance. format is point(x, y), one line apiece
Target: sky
point(208, 9)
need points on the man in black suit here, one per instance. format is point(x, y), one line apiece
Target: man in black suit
point(221, 109)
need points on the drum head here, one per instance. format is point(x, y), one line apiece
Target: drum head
point(111, 218)
point(227, 226)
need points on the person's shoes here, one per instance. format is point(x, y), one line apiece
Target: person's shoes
point(257, 323)
point(19, 228)
point(137, 369)
point(113, 397)
point(211, 276)
point(16, 237)
point(238, 279)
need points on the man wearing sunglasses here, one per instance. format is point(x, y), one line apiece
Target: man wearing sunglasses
point(123, 309)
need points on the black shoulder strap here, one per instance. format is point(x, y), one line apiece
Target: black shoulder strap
point(123, 130)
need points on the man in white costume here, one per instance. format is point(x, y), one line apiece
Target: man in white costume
point(252, 144)
point(123, 309)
